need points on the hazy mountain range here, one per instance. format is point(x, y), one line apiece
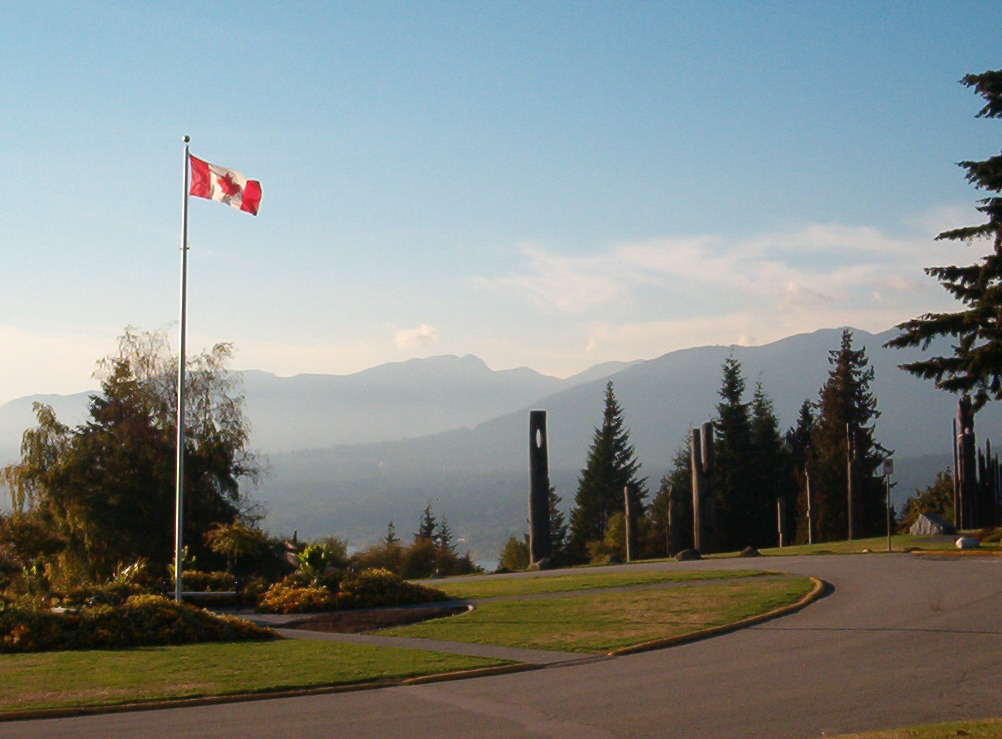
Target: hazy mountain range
point(346, 454)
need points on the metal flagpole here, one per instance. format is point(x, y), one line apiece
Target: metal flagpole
point(179, 478)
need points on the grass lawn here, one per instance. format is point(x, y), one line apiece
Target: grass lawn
point(990, 729)
point(600, 622)
point(877, 544)
point(498, 586)
point(103, 677)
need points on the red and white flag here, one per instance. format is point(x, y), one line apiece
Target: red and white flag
point(225, 185)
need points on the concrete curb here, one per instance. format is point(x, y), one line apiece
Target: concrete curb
point(819, 589)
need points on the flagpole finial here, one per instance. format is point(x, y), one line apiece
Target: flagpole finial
point(186, 138)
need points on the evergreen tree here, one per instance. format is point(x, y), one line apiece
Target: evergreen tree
point(609, 468)
point(443, 537)
point(846, 410)
point(107, 486)
point(427, 526)
point(771, 474)
point(677, 482)
point(732, 489)
point(558, 527)
point(391, 534)
point(798, 444)
point(976, 364)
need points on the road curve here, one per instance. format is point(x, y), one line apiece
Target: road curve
point(902, 639)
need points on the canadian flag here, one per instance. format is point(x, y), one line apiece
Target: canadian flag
point(225, 185)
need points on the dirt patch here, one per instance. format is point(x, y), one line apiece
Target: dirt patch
point(359, 622)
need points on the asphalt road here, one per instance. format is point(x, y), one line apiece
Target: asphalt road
point(901, 640)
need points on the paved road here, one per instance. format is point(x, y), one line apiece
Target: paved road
point(902, 639)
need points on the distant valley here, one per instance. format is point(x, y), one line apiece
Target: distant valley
point(346, 454)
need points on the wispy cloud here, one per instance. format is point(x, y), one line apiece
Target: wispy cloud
point(648, 297)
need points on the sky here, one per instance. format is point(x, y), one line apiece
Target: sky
point(542, 184)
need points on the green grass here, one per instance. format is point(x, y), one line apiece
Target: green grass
point(103, 677)
point(495, 587)
point(877, 544)
point(989, 729)
point(600, 622)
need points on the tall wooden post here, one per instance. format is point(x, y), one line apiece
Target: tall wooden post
point(674, 543)
point(702, 479)
point(628, 521)
point(539, 489)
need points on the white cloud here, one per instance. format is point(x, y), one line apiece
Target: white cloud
point(415, 338)
point(645, 298)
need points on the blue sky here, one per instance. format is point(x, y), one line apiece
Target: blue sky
point(541, 184)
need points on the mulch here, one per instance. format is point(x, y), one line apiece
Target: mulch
point(359, 622)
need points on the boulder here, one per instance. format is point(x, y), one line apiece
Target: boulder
point(687, 555)
point(929, 524)
point(968, 542)
point(749, 552)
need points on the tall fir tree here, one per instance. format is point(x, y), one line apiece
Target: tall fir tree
point(610, 467)
point(975, 367)
point(732, 461)
point(771, 473)
point(558, 528)
point(798, 444)
point(846, 410)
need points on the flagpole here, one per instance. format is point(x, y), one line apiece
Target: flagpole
point(179, 475)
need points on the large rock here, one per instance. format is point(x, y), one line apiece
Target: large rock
point(929, 524)
point(968, 542)
point(687, 555)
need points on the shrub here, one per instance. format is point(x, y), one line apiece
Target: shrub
point(143, 620)
point(285, 599)
point(514, 555)
point(377, 588)
point(205, 582)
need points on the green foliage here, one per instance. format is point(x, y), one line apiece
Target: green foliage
point(107, 486)
point(936, 499)
point(514, 555)
point(612, 546)
point(371, 588)
point(379, 588)
point(427, 525)
point(975, 366)
point(142, 620)
point(431, 553)
point(281, 598)
point(610, 467)
point(846, 408)
point(240, 544)
point(558, 528)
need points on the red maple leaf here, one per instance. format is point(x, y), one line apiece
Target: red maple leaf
point(227, 185)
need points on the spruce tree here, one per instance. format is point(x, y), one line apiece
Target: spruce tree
point(427, 525)
point(975, 366)
point(846, 410)
point(798, 445)
point(771, 475)
point(609, 468)
point(732, 461)
point(558, 527)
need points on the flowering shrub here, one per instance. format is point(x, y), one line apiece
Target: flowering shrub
point(379, 587)
point(143, 620)
point(372, 588)
point(285, 599)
